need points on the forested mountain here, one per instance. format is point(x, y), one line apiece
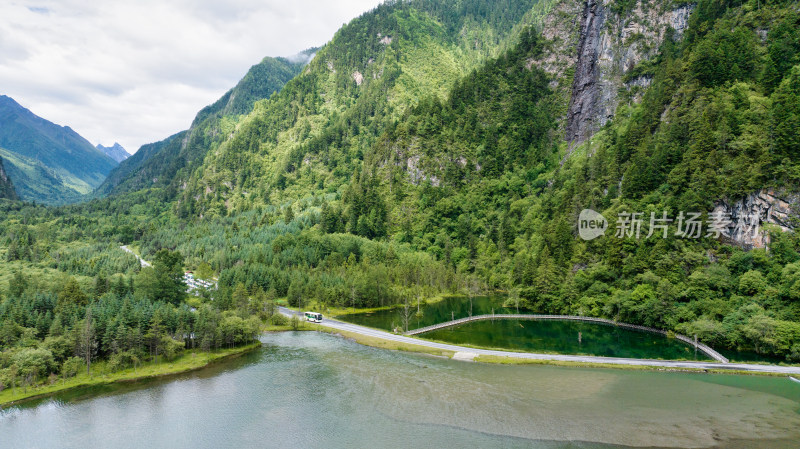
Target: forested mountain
point(158, 164)
point(682, 114)
point(7, 191)
point(48, 163)
point(316, 132)
point(115, 152)
point(435, 147)
point(491, 187)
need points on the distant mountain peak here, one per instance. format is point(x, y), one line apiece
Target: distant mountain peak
point(47, 163)
point(116, 151)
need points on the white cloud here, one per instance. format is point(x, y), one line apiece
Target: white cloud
point(136, 72)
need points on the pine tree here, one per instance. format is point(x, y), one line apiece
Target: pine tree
point(86, 340)
point(170, 286)
point(72, 294)
point(56, 327)
point(100, 285)
point(288, 214)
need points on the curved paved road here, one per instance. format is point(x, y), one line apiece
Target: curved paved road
point(335, 324)
point(524, 316)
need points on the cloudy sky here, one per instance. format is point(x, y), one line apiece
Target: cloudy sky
point(137, 71)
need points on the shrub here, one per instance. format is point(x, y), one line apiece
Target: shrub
point(71, 366)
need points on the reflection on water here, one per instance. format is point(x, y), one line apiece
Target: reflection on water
point(449, 308)
point(560, 337)
point(748, 356)
point(316, 390)
point(566, 337)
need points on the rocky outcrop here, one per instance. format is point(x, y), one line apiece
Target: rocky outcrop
point(6, 187)
point(358, 77)
point(116, 152)
point(609, 46)
point(560, 30)
point(583, 105)
point(747, 217)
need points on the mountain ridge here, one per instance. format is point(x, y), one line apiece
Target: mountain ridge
point(188, 147)
point(325, 119)
point(116, 152)
point(48, 163)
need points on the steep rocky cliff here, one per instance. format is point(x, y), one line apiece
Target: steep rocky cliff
point(749, 215)
point(594, 54)
point(6, 188)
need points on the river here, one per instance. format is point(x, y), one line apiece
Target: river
point(307, 389)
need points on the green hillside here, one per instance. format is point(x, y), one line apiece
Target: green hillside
point(163, 163)
point(424, 152)
point(718, 122)
point(37, 182)
point(48, 163)
point(6, 186)
point(314, 133)
point(472, 173)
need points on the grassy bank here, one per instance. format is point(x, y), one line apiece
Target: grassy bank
point(505, 360)
point(333, 311)
point(490, 348)
point(189, 361)
point(377, 342)
point(501, 360)
point(381, 343)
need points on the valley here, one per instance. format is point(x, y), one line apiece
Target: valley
point(628, 162)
